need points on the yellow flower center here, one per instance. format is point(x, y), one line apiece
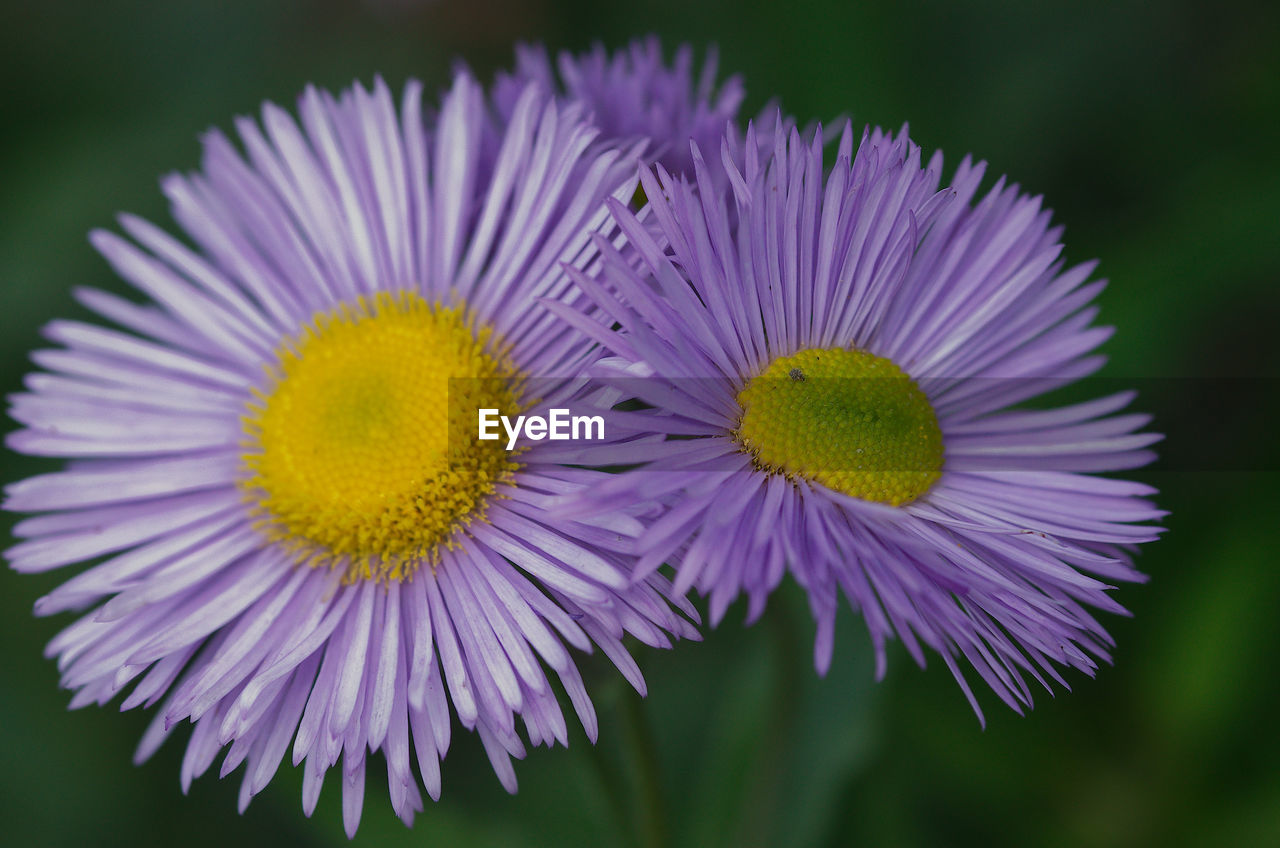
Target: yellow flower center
point(847, 419)
point(363, 452)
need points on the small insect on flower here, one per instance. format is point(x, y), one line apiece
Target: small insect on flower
point(302, 539)
point(835, 359)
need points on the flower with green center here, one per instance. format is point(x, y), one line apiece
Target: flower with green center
point(303, 542)
point(847, 419)
point(834, 358)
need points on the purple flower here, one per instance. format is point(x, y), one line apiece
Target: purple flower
point(634, 94)
point(839, 356)
point(297, 545)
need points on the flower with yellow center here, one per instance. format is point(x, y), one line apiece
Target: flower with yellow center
point(364, 449)
point(832, 355)
point(325, 559)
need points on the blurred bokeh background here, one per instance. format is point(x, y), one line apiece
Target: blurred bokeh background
point(1151, 128)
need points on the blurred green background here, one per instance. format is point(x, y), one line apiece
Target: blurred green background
point(1151, 128)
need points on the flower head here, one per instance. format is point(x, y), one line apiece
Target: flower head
point(839, 355)
point(298, 542)
point(634, 94)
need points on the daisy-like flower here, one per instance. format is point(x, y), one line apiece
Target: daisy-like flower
point(275, 460)
point(634, 94)
point(838, 356)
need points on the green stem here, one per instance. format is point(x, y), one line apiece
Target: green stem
point(610, 781)
point(760, 798)
point(650, 808)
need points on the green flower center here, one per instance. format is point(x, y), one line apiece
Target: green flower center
point(847, 419)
